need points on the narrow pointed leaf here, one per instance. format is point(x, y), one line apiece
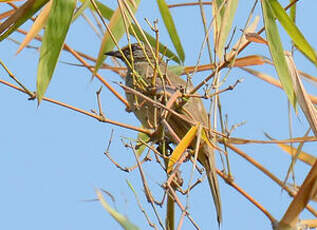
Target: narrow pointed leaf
point(181, 147)
point(292, 12)
point(104, 10)
point(145, 138)
point(21, 15)
point(53, 40)
point(39, 23)
point(304, 101)
point(301, 199)
point(117, 28)
point(303, 156)
point(170, 26)
point(81, 9)
point(226, 25)
point(217, 13)
point(162, 49)
point(107, 13)
point(293, 31)
point(277, 51)
point(122, 220)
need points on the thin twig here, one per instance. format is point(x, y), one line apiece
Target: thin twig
point(246, 195)
point(90, 114)
point(240, 141)
point(26, 90)
point(142, 209)
point(155, 103)
point(229, 88)
point(110, 141)
point(125, 169)
point(181, 221)
point(189, 4)
point(266, 172)
point(226, 62)
point(99, 102)
point(198, 181)
point(91, 69)
point(99, 13)
point(147, 191)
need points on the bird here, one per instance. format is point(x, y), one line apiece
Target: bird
point(143, 66)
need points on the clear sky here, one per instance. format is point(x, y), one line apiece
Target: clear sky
point(52, 159)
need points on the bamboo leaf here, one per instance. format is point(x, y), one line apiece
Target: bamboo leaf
point(20, 16)
point(170, 26)
point(122, 220)
point(117, 28)
point(277, 52)
point(140, 146)
point(303, 156)
point(304, 101)
point(305, 193)
point(226, 19)
point(81, 9)
point(53, 40)
point(293, 31)
point(292, 12)
point(107, 13)
point(39, 23)
point(181, 147)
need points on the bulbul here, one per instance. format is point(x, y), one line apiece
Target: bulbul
point(140, 61)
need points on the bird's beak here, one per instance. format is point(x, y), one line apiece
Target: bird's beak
point(114, 54)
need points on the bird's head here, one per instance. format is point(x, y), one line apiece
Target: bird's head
point(133, 50)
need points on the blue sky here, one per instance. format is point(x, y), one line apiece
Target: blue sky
point(52, 159)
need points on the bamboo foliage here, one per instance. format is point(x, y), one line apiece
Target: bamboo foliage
point(52, 21)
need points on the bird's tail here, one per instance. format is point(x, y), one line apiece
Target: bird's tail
point(209, 163)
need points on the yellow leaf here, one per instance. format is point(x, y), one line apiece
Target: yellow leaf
point(305, 157)
point(37, 26)
point(180, 148)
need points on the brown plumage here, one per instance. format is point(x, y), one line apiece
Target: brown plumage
point(140, 78)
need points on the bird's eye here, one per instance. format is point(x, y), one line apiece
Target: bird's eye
point(134, 48)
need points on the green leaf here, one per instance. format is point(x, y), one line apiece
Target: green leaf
point(219, 3)
point(122, 220)
point(292, 12)
point(107, 13)
point(277, 52)
point(162, 48)
point(20, 16)
point(81, 9)
point(53, 40)
point(225, 25)
point(292, 30)
point(145, 138)
point(170, 26)
point(117, 28)
point(131, 187)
